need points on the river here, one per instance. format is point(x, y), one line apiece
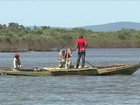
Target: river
point(71, 90)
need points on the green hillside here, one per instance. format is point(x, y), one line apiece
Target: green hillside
point(14, 36)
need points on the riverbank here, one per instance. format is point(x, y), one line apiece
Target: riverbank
point(28, 50)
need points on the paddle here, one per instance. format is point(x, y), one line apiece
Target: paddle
point(89, 64)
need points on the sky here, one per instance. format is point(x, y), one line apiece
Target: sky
point(68, 13)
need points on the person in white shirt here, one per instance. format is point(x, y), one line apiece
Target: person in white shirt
point(16, 62)
point(65, 57)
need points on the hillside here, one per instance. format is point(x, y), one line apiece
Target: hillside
point(110, 27)
point(15, 37)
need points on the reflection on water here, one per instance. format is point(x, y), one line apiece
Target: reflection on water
point(71, 90)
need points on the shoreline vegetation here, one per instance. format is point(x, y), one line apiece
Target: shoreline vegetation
point(18, 38)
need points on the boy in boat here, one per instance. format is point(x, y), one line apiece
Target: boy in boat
point(81, 45)
point(16, 62)
point(65, 58)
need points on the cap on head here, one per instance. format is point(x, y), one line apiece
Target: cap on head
point(17, 55)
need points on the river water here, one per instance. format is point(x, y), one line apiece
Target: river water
point(71, 90)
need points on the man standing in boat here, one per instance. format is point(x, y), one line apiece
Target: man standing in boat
point(81, 44)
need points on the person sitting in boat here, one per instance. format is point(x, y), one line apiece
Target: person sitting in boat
point(16, 62)
point(65, 57)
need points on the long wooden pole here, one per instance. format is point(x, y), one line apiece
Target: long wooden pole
point(89, 64)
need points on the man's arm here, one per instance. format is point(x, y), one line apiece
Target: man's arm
point(14, 63)
point(85, 45)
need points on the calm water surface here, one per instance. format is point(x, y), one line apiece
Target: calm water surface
point(71, 90)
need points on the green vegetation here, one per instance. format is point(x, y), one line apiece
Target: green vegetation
point(15, 36)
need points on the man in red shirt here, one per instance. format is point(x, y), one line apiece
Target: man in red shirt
point(81, 44)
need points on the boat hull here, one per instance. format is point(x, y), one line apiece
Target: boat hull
point(91, 71)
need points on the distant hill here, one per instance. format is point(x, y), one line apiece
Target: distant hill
point(113, 26)
point(110, 27)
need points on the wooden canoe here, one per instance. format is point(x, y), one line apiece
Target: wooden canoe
point(122, 69)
